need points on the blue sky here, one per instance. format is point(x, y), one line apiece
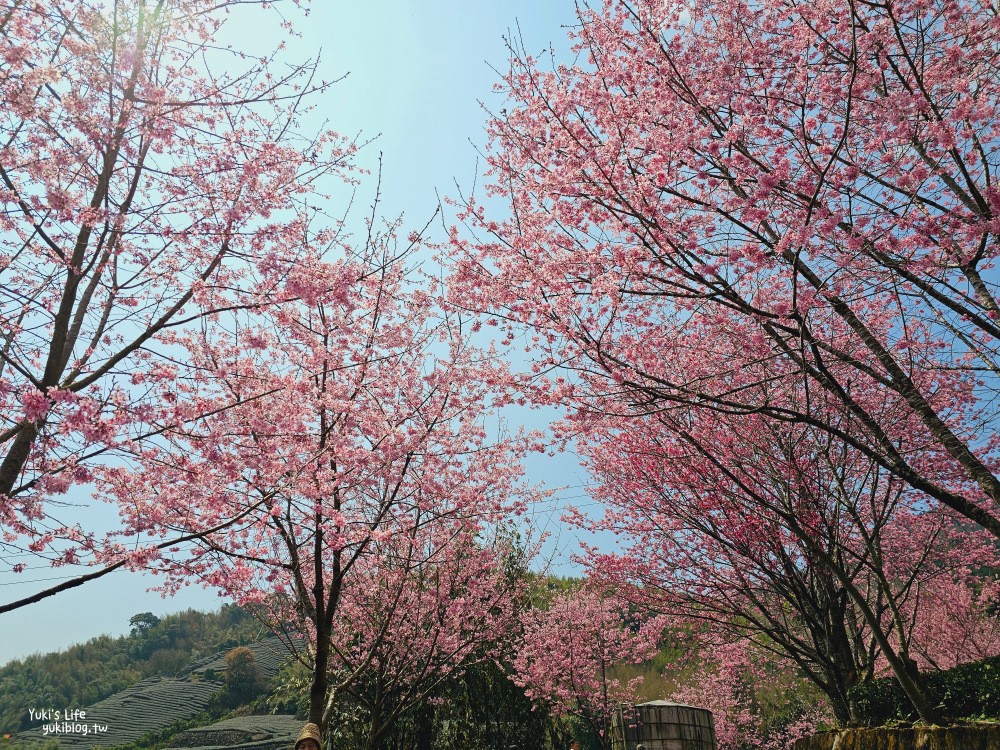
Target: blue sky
point(416, 73)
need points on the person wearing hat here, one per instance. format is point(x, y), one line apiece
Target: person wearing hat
point(309, 738)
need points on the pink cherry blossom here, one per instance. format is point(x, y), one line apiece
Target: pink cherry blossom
point(569, 652)
point(142, 191)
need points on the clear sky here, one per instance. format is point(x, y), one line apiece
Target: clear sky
point(416, 73)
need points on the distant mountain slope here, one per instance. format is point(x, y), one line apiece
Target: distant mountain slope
point(155, 703)
point(85, 674)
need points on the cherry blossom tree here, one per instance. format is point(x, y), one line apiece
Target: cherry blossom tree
point(150, 176)
point(775, 535)
point(348, 433)
point(569, 651)
point(407, 625)
point(955, 622)
point(722, 199)
point(730, 680)
point(755, 211)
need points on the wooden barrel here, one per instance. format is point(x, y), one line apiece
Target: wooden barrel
point(661, 725)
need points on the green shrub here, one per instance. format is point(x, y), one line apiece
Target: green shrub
point(879, 702)
point(968, 691)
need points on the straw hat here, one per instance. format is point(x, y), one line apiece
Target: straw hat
point(309, 732)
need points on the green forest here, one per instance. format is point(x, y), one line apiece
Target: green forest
point(86, 673)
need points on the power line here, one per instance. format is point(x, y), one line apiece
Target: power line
point(37, 580)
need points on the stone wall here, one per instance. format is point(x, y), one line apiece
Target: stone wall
point(977, 737)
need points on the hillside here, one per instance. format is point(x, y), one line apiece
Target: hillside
point(88, 673)
point(242, 733)
point(157, 704)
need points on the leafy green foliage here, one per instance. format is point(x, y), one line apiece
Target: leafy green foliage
point(289, 692)
point(244, 679)
point(967, 691)
point(143, 621)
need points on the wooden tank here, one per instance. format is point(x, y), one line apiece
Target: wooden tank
point(661, 725)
